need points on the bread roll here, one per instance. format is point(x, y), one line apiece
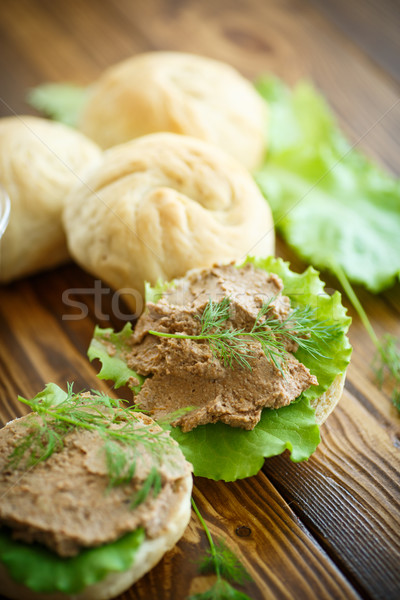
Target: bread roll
point(326, 403)
point(161, 205)
point(179, 93)
point(40, 161)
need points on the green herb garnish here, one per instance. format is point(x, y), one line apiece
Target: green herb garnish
point(57, 413)
point(231, 345)
point(387, 357)
point(227, 567)
point(222, 558)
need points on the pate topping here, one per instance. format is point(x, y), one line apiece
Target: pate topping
point(186, 373)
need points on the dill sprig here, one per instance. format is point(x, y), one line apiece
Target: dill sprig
point(387, 362)
point(232, 345)
point(124, 435)
point(227, 563)
point(387, 356)
point(227, 567)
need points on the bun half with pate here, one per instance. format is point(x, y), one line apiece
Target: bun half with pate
point(40, 162)
point(156, 207)
point(242, 361)
point(178, 93)
point(91, 497)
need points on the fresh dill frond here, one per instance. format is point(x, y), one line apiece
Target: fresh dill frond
point(225, 343)
point(227, 567)
point(215, 314)
point(387, 362)
point(39, 443)
point(151, 485)
point(228, 564)
point(120, 471)
point(387, 356)
point(232, 346)
point(125, 436)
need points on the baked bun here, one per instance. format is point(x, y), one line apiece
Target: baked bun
point(69, 478)
point(161, 205)
point(40, 161)
point(326, 403)
point(179, 93)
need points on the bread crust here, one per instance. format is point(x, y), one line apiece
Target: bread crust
point(326, 403)
point(161, 205)
point(179, 93)
point(40, 161)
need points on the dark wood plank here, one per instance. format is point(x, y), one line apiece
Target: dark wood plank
point(289, 38)
point(373, 24)
point(384, 318)
point(348, 493)
point(275, 539)
point(40, 342)
point(292, 565)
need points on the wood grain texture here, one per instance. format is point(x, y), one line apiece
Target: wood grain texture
point(349, 495)
point(288, 37)
point(373, 24)
point(275, 539)
point(328, 528)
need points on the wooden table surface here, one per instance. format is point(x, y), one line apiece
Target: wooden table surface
point(326, 528)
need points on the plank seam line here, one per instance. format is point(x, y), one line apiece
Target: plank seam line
point(356, 393)
point(311, 530)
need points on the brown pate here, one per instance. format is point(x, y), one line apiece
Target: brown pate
point(185, 373)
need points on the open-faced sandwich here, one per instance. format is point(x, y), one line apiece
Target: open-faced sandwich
point(91, 497)
point(240, 362)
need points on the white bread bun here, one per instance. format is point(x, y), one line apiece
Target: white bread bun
point(161, 205)
point(179, 93)
point(326, 403)
point(40, 161)
point(148, 555)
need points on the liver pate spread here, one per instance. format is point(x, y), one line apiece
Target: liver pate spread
point(185, 373)
point(66, 502)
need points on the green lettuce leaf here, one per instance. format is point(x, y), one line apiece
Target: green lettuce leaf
point(109, 347)
point(218, 451)
point(60, 101)
point(153, 293)
point(331, 204)
point(52, 395)
point(44, 571)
